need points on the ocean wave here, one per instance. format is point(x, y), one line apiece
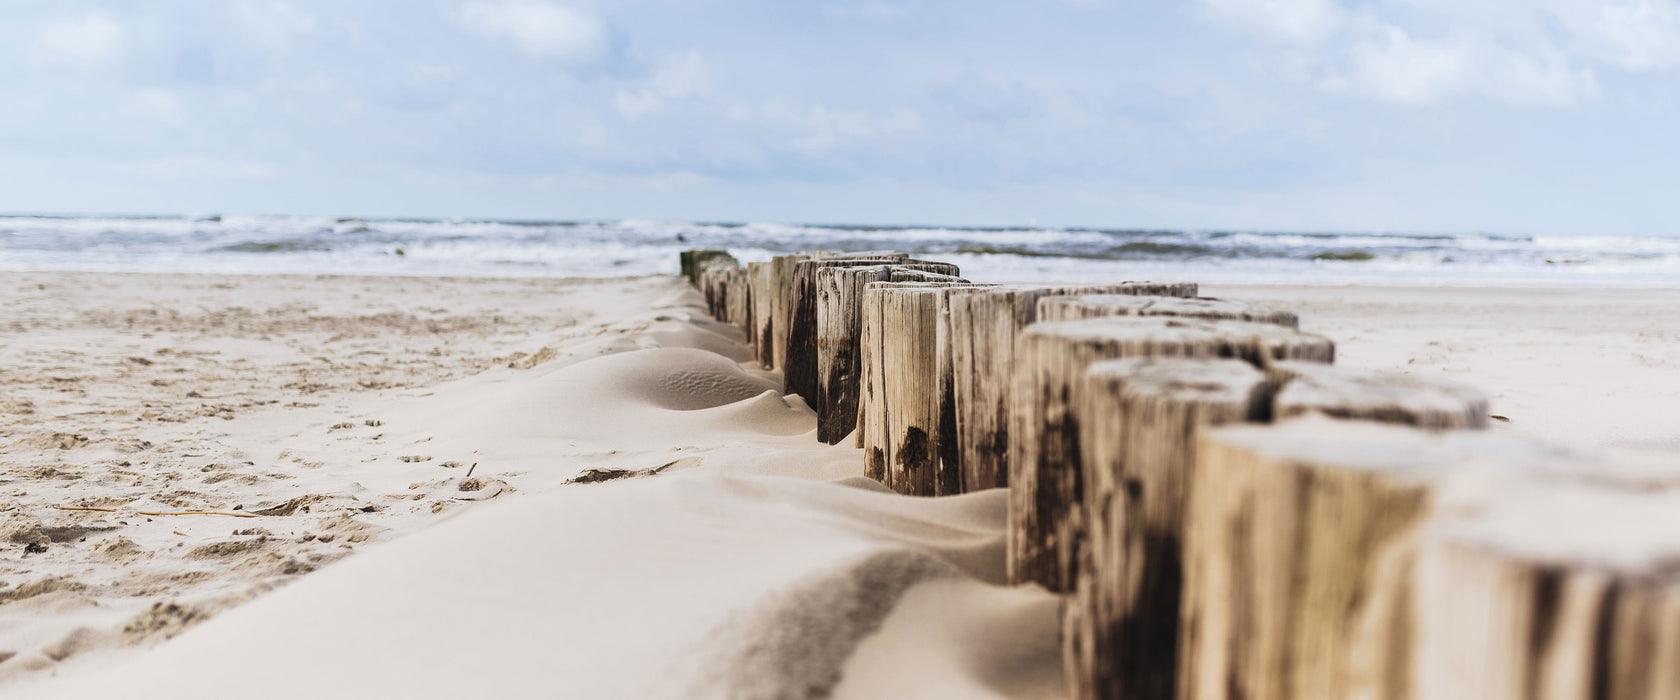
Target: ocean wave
point(532, 247)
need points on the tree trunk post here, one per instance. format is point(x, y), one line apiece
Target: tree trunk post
point(781, 295)
point(760, 281)
point(1138, 420)
point(1138, 425)
point(1050, 360)
point(1300, 554)
point(984, 324)
point(1515, 602)
point(839, 327)
point(900, 403)
point(694, 261)
point(799, 371)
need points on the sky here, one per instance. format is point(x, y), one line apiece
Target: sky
point(1504, 116)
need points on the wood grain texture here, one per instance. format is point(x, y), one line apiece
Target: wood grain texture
point(760, 282)
point(901, 408)
point(1068, 308)
point(781, 295)
point(1551, 589)
point(799, 358)
point(1138, 423)
point(1300, 552)
point(1050, 361)
point(984, 324)
point(839, 328)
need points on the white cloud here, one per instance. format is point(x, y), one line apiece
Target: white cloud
point(157, 105)
point(535, 28)
point(1294, 21)
point(274, 24)
point(828, 129)
point(187, 167)
point(1390, 65)
point(674, 78)
point(1632, 34)
point(634, 104)
point(1395, 67)
point(81, 42)
point(1430, 51)
point(1547, 79)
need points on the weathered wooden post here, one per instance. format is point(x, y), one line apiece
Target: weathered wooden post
point(726, 290)
point(799, 368)
point(1050, 360)
point(694, 261)
point(1138, 425)
point(1301, 543)
point(781, 297)
point(740, 298)
point(714, 276)
point(1139, 418)
point(1068, 308)
point(839, 324)
point(984, 324)
point(1550, 589)
point(761, 319)
point(900, 406)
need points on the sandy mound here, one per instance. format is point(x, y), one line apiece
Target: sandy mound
point(471, 559)
point(690, 585)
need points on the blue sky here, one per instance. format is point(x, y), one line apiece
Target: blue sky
point(1514, 116)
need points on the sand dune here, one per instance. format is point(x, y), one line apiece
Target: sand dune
point(757, 564)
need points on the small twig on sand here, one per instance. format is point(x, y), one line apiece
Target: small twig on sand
point(596, 476)
point(102, 510)
point(469, 469)
point(196, 512)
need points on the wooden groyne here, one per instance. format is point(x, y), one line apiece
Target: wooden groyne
point(1227, 512)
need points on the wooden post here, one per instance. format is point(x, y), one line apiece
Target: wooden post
point(694, 261)
point(1138, 419)
point(839, 325)
point(1550, 589)
point(1068, 308)
point(740, 298)
point(781, 292)
point(758, 330)
point(724, 285)
point(900, 406)
point(1044, 462)
point(1300, 549)
point(984, 324)
point(1138, 424)
point(799, 371)
point(1377, 395)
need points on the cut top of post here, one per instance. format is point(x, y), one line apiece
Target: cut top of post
point(1185, 381)
point(1381, 395)
point(1097, 305)
point(1395, 451)
point(1568, 522)
point(1260, 344)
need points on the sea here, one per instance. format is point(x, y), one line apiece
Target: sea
point(511, 248)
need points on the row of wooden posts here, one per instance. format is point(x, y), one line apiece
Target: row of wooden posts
point(1228, 513)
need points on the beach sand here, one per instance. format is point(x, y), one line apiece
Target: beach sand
point(1597, 369)
point(716, 551)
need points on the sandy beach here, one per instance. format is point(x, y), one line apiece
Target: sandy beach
point(470, 487)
